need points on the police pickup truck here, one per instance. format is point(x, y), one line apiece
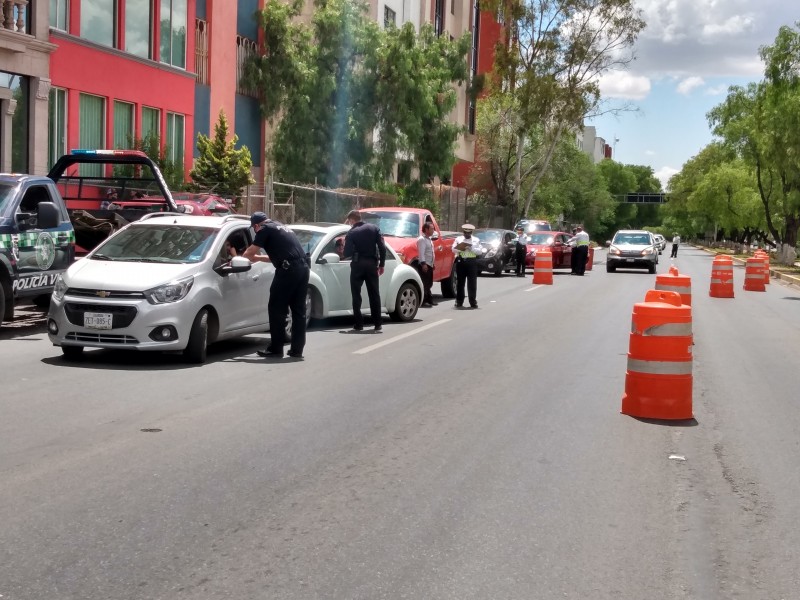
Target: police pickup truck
point(45, 222)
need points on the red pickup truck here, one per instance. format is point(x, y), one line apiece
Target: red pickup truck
point(401, 226)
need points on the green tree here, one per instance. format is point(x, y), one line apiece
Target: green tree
point(220, 166)
point(550, 62)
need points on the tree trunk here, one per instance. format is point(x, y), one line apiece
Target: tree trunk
point(787, 253)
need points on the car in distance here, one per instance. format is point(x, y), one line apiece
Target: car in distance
point(632, 249)
point(165, 282)
point(661, 243)
point(329, 283)
point(499, 245)
point(557, 242)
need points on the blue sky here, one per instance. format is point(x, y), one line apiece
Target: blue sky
point(686, 58)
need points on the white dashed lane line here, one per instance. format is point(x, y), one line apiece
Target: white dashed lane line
point(402, 336)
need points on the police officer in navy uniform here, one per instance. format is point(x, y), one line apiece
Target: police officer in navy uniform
point(365, 246)
point(289, 287)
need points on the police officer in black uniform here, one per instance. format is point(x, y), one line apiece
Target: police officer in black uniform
point(288, 289)
point(364, 244)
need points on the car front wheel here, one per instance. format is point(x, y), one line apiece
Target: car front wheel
point(406, 304)
point(72, 352)
point(610, 268)
point(197, 348)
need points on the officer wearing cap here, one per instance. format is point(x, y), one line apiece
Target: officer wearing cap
point(520, 251)
point(289, 287)
point(467, 247)
point(365, 246)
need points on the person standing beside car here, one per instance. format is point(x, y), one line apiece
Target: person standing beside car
point(676, 240)
point(365, 246)
point(289, 287)
point(426, 262)
point(520, 251)
point(467, 248)
point(580, 250)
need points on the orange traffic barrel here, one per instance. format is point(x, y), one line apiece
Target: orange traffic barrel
point(675, 282)
point(754, 275)
point(721, 277)
point(658, 381)
point(543, 267)
point(765, 256)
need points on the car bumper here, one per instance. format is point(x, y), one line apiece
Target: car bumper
point(628, 262)
point(490, 264)
point(133, 324)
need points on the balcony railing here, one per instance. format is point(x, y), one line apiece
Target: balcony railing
point(245, 49)
point(201, 50)
point(14, 15)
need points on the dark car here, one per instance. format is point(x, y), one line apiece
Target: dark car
point(499, 245)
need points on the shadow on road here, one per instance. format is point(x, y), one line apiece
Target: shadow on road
point(27, 321)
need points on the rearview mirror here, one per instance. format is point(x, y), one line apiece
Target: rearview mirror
point(330, 257)
point(238, 264)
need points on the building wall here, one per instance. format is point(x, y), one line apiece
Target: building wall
point(26, 54)
point(118, 75)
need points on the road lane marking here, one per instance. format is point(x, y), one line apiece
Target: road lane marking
point(536, 287)
point(400, 337)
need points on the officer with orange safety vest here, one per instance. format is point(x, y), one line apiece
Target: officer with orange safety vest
point(467, 248)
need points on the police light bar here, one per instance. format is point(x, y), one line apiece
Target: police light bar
point(86, 151)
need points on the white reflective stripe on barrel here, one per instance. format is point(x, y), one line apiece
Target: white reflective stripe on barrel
point(719, 281)
point(759, 276)
point(659, 367)
point(673, 288)
point(666, 330)
point(722, 268)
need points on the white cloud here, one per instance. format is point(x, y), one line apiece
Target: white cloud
point(717, 90)
point(735, 25)
point(621, 84)
point(664, 173)
point(649, 153)
point(686, 86)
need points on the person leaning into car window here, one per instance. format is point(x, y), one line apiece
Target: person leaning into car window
point(289, 287)
point(365, 246)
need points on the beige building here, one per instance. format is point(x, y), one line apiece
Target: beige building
point(24, 85)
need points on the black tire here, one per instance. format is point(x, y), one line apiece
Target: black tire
point(197, 348)
point(652, 269)
point(610, 269)
point(406, 304)
point(449, 285)
point(2, 304)
point(42, 301)
point(72, 352)
point(498, 272)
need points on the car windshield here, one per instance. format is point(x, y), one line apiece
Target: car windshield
point(489, 236)
point(543, 239)
point(395, 224)
point(633, 239)
point(167, 243)
point(309, 240)
point(6, 191)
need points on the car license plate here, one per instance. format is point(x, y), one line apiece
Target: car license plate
point(629, 259)
point(92, 320)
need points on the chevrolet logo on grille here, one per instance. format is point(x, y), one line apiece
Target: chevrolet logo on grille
point(102, 294)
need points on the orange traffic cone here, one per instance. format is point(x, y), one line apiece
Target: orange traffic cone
point(543, 267)
point(754, 275)
point(675, 282)
point(658, 381)
point(721, 277)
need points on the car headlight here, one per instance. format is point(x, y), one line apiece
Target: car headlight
point(491, 252)
point(60, 288)
point(614, 250)
point(647, 251)
point(171, 292)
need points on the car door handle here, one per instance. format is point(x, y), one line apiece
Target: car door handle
point(255, 277)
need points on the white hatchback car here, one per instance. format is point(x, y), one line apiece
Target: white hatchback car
point(166, 282)
point(329, 284)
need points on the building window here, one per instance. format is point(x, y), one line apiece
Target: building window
point(98, 19)
point(92, 132)
point(57, 125)
point(123, 124)
point(174, 142)
point(438, 17)
point(201, 50)
point(17, 107)
point(138, 28)
point(245, 49)
point(173, 32)
point(389, 17)
point(151, 122)
point(59, 9)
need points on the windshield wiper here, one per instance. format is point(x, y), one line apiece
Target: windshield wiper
point(101, 257)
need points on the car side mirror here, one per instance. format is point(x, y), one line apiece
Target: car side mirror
point(435, 235)
point(48, 215)
point(238, 264)
point(608, 243)
point(330, 257)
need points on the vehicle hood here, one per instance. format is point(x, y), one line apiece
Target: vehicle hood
point(124, 276)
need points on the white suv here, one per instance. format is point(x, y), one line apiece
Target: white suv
point(632, 249)
point(165, 282)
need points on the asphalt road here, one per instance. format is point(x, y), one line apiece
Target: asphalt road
point(469, 455)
